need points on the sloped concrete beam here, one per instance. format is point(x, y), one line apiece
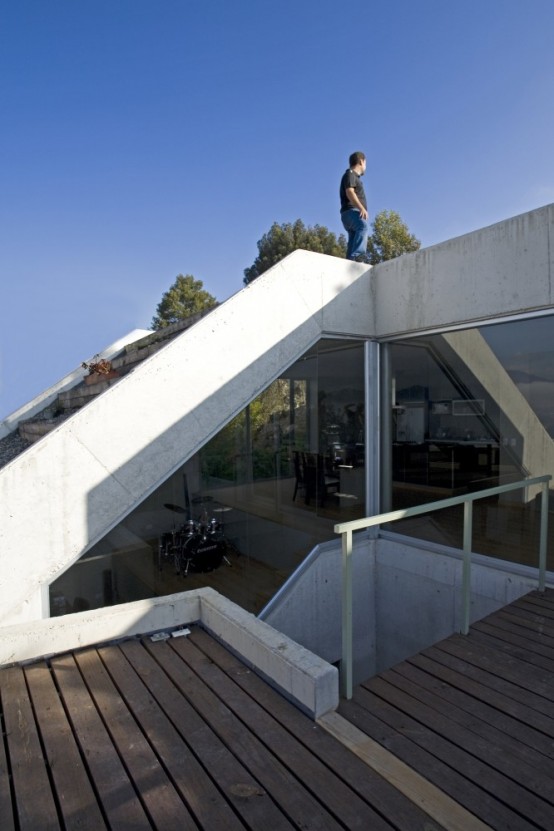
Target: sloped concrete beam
point(67, 491)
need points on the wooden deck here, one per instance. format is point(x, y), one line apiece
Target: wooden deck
point(175, 734)
point(475, 715)
point(179, 734)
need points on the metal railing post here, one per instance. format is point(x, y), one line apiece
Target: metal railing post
point(543, 536)
point(346, 530)
point(346, 662)
point(466, 566)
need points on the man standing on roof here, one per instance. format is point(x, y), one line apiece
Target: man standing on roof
point(353, 208)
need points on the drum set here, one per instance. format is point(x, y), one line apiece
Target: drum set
point(197, 546)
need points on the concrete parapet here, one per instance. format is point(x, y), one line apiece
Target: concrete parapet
point(310, 682)
point(300, 675)
point(501, 270)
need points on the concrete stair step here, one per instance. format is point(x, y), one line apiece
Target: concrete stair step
point(34, 429)
point(68, 402)
point(80, 395)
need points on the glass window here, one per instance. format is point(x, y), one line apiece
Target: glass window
point(471, 410)
point(244, 511)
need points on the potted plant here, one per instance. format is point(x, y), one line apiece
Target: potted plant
point(99, 369)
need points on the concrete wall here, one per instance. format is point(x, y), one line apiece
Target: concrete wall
point(505, 269)
point(418, 595)
point(309, 609)
point(406, 597)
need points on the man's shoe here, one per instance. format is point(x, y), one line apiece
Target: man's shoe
point(362, 258)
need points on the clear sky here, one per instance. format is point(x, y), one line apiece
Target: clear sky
point(141, 139)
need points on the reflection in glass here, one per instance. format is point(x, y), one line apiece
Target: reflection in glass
point(244, 511)
point(472, 410)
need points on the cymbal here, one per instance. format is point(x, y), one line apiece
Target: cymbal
point(176, 508)
point(221, 510)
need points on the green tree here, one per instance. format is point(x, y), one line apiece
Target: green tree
point(184, 298)
point(283, 239)
point(390, 238)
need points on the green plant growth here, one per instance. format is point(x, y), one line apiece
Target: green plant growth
point(283, 239)
point(257, 444)
point(390, 238)
point(184, 298)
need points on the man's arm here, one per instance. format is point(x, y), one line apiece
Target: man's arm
point(355, 202)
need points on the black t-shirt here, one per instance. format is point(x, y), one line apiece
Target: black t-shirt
point(351, 179)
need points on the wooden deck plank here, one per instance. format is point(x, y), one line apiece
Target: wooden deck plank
point(120, 802)
point(466, 694)
point(475, 714)
point(75, 795)
point(35, 804)
point(162, 802)
point(322, 782)
point(401, 811)
point(508, 695)
point(492, 670)
point(430, 758)
point(144, 688)
point(535, 606)
point(532, 625)
point(180, 734)
point(537, 625)
point(507, 643)
point(516, 783)
point(6, 803)
point(240, 787)
point(301, 807)
point(506, 631)
point(495, 735)
point(440, 807)
point(542, 600)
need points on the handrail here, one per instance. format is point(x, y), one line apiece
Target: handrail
point(347, 528)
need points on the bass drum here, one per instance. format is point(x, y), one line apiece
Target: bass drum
point(201, 554)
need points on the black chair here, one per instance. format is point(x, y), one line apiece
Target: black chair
point(298, 472)
point(318, 482)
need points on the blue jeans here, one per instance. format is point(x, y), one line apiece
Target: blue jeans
point(358, 230)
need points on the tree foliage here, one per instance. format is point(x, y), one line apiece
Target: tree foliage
point(184, 298)
point(283, 239)
point(390, 238)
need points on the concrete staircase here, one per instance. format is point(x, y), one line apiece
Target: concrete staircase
point(70, 401)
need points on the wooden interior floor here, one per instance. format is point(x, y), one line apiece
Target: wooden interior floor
point(506, 531)
point(475, 715)
point(244, 580)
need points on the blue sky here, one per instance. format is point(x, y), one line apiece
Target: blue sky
point(141, 139)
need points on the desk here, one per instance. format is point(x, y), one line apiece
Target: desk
point(446, 463)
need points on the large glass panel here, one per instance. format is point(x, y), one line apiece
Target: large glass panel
point(243, 512)
point(471, 410)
